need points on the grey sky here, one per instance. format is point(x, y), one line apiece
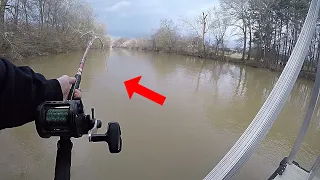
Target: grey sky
point(137, 18)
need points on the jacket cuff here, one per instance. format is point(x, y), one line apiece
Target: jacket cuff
point(54, 92)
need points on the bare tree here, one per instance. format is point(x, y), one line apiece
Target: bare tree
point(220, 22)
point(166, 36)
point(200, 25)
point(238, 10)
point(3, 5)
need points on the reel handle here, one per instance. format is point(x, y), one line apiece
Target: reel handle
point(112, 137)
point(74, 86)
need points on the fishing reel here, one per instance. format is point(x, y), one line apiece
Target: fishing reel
point(67, 119)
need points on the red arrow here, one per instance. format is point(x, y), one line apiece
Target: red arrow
point(133, 86)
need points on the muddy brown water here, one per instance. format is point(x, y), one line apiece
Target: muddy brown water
point(209, 105)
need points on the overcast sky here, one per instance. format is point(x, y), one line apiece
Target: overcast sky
point(137, 18)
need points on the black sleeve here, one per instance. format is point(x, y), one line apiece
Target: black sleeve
point(21, 91)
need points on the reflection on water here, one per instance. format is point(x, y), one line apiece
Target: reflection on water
point(209, 105)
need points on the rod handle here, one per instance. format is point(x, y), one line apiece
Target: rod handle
point(74, 86)
point(63, 159)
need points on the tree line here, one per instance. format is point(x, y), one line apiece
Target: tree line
point(266, 31)
point(38, 27)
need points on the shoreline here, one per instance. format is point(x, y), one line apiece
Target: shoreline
point(307, 75)
point(36, 55)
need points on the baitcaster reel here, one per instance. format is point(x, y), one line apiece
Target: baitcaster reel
point(67, 119)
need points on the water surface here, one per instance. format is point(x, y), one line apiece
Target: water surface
point(209, 105)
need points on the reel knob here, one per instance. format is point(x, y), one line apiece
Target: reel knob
point(112, 137)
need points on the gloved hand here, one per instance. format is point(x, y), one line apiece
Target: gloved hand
point(66, 83)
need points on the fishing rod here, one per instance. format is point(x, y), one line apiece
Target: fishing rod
point(67, 119)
